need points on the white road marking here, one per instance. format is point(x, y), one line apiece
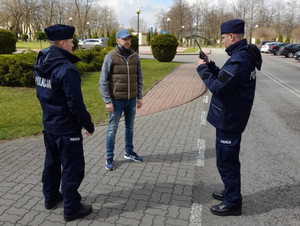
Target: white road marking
point(203, 118)
point(201, 152)
point(196, 214)
point(196, 210)
point(291, 89)
point(205, 99)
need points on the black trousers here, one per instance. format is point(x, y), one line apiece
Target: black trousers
point(228, 164)
point(64, 163)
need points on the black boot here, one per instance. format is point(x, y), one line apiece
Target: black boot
point(219, 195)
point(223, 210)
point(52, 203)
point(84, 211)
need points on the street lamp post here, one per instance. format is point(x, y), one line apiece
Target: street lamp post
point(88, 24)
point(256, 26)
point(195, 27)
point(70, 19)
point(138, 11)
point(182, 27)
point(168, 20)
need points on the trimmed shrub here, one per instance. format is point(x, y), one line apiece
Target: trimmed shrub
point(164, 47)
point(40, 35)
point(91, 59)
point(24, 37)
point(7, 42)
point(17, 70)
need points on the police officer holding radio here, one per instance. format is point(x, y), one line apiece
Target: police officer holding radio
point(233, 88)
point(64, 114)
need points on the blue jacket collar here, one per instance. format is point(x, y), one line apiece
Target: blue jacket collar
point(236, 47)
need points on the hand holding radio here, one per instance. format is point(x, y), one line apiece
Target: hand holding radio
point(202, 55)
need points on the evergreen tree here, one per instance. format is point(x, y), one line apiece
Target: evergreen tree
point(280, 38)
point(287, 40)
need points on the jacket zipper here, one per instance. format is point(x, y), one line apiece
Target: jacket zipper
point(127, 64)
point(128, 78)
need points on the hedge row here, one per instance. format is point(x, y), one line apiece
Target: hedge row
point(18, 69)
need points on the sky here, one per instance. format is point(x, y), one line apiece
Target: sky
point(126, 9)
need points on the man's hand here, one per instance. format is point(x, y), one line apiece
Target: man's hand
point(110, 107)
point(139, 103)
point(89, 134)
point(201, 61)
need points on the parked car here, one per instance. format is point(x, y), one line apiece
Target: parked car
point(282, 48)
point(90, 43)
point(260, 44)
point(104, 41)
point(265, 47)
point(297, 55)
point(275, 49)
point(290, 50)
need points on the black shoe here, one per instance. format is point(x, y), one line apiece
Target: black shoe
point(52, 203)
point(85, 210)
point(222, 210)
point(219, 195)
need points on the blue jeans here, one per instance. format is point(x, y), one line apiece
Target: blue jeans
point(129, 108)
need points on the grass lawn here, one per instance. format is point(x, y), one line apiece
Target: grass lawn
point(191, 50)
point(32, 45)
point(21, 113)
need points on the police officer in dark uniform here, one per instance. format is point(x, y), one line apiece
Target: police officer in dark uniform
point(233, 88)
point(58, 87)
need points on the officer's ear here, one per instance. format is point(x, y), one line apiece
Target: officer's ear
point(61, 44)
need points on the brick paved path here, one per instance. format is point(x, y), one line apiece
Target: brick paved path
point(178, 87)
point(157, 191)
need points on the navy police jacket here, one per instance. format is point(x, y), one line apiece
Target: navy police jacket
point(58, 87)
point(232, 87)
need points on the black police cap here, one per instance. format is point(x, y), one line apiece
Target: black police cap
point(233, 26)
point(59, 32)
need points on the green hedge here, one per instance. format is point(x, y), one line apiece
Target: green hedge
point(18, 69)
point(91, 59)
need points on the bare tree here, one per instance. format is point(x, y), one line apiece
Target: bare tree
point(107, 19)
point(161, 20)
point(82, 9)
point(14, 12)
point(252, 5)
point(295, 37)
point(279, 5)
point(266, 33)
point(180, 13)
point(142, 24)
point(290, 16)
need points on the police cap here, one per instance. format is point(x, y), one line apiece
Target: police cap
point(233, 26)
point(59, 32)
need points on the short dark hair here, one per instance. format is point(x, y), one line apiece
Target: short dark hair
point(240, 36)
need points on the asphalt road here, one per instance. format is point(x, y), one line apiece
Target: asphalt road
point(270, 150)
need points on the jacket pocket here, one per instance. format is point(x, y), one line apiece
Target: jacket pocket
point(216, 114)
point(116, 85)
